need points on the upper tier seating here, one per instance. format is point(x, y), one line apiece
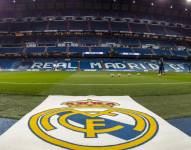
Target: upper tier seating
point(99, 25)
point(78, 25)
point(119, 26)
point(58, 25)
point(93, 25)
point(173, 31)
point(156, 29)
point(138, 28)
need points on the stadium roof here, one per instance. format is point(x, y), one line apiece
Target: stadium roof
point(156, 7)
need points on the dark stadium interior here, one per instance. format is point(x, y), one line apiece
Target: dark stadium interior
point(96, 29)
point(96, 47)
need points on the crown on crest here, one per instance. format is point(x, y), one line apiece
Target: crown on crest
point(89, 103)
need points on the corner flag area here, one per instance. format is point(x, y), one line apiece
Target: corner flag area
point(91, 123)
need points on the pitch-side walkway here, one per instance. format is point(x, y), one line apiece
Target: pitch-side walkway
point(91, 123)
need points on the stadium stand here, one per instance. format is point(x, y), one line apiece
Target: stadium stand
point(35, 50)
point(119, 26)
point(11, 50)
point(58, 25)
point(56, 49)
point(96, 34)
point(138, 28)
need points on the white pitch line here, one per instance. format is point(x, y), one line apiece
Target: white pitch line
point(93, 84)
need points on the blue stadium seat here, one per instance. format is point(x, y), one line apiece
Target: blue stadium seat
point(160, 52)
point(11, 50)
point(99, 25)
point(101, 49)
point(4, 26)
point(56, 49)
point(123, 50)
point(78, 49)
point(31, 50)
point(143, 51)
point(186, 31)
point(119, 26)
point(180, 53)
point(129, 41)
point(85, 64)
point(156, 29)
point(173, 31)
point(138, 28)
point(58, 25)
point(36, 26)
point(88, 40)
point(78, 25)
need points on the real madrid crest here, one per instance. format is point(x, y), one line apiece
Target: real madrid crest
point(92, 125)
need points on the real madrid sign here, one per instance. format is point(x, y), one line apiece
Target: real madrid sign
point(92, 123)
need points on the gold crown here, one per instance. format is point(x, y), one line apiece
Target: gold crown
point(89, 103)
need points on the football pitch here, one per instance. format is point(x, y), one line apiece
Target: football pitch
point(169, 96)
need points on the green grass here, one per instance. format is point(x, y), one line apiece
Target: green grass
point(169, 95)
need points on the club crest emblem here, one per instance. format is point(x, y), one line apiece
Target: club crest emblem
point(92, 125)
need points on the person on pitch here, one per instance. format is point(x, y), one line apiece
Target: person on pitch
point(161, 66)
point(189, 67)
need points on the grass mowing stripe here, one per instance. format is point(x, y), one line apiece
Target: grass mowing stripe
point(92, 84)
point(167, 106)
point(169, 95)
